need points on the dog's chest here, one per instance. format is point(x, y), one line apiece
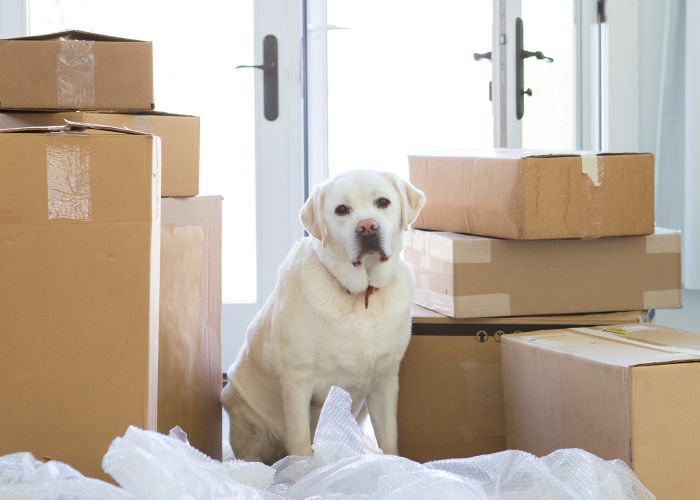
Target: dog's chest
point(359, 350)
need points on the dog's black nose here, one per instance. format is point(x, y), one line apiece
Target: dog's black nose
point(366, 227)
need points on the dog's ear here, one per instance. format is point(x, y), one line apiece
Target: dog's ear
point(311, 214)
point(412, 199)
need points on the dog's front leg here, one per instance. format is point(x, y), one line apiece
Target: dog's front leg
point(382, 404)
point(296, 398)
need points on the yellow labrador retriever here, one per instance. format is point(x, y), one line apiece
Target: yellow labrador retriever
point(339, 315)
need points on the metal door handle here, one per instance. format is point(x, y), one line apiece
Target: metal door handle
point(270, 77)
point(485, 55)
point(539, 55)
point(521, 55)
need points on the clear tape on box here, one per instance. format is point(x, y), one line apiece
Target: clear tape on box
point(75, 74)
point(347, 464)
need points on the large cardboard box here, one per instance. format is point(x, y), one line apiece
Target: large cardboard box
point(76, 70)
point(179, 136)
point(521, 194)
point(627, 392)
point(190, 321)
point(474, 276)
point(450, 391)
point(79, 274)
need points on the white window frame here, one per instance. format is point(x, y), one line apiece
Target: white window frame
point(279, 162)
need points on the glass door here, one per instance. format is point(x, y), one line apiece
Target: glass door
point(397, 77)
point(390, 78)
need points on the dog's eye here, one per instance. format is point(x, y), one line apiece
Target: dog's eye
point(382, 203)
point(342, 210)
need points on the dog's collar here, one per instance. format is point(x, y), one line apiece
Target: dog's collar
point(370, 290)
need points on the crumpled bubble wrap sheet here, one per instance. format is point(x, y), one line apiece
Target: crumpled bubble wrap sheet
point(347, 464)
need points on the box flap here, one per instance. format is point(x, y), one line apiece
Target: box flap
point(516, 154)
point(426, 316)
point(76, 35)
point(72, 127)
point(621, 345)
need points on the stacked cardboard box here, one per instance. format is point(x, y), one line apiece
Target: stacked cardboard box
point(110, 298)
point(508, 233)
point(628, 392)
point(451, 399)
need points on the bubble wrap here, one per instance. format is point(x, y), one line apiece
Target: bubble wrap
point(347, 464)
point(23, 477)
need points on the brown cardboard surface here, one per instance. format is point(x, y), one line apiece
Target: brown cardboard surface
point(632, 396)
point(76, 70)
point(79, 232)
point(179, 139)
point(474, 276)
point(451, 394)
point(521, 194)
point(190, 321)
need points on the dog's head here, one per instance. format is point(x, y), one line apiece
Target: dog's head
point(362, 213)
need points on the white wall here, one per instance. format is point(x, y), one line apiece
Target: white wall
point(651, 37)
point(12, 18)
point(635, 40)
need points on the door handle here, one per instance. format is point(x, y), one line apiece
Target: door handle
point(520, 56)
point(269, 68)
point(479, 57)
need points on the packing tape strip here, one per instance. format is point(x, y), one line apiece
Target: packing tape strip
point(640, 343)
point(75, 74)
point(662, 299)
point(589, 166)
point(664, 242)
point(68, 182)
point(482, 306)
point(475, 250)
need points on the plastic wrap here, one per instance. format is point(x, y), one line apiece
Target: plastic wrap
point(153, 466)
point(346, 465)
point(23, 477)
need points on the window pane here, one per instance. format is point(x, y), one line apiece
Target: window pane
point(195, 48)
point(402, 79)
point(548, 26)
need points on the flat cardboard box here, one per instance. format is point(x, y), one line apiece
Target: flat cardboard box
point(179, 136)
point(474, 276)
point(532, 195)
point(450, 391)
point(79, 275)
point(76, 70)
point(190, 321)
point(624, 392)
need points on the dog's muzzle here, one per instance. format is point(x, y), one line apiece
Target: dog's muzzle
point(369, 241)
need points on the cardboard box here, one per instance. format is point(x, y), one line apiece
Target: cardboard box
point(625, 392)
point(79, 274)
point(520, 194)
point(76, 70)
point(474, 276)
point(190, 321)
point(451, 395)
point(179, 136)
